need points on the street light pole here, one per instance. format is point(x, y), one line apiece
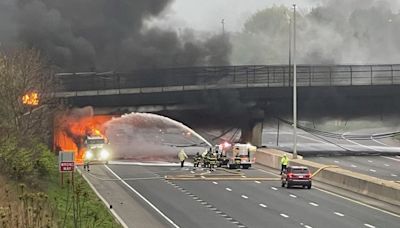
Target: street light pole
point(294, 86)
point(223, 26)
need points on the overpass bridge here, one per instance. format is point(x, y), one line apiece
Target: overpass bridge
point(246, 92)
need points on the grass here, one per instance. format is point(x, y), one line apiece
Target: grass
point(52, 205)
point(77, 205)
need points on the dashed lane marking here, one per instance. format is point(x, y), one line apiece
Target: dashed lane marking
point(245, 197)
point(372, 170)
point(336, 161)
point(307, 226)
point(393, 175)
point(215, 182)
point(273, 188)
point(368, 225)
point(293, 196)
point(354, 166)
point(313, 204)
point(258, 182)
point(284, 215)
point(228, 189)
point(358, 202)
point(387, 165)
point(338, 214)
point(370, 161)
point(191, 171)
point(262, 205)
point(143, 198)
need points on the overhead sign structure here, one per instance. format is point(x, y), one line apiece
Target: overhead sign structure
point(66, 162)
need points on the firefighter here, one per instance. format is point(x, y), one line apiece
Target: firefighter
point(196, 160)
point(284, 162)
point(86, 162)
point(237, 161)
point(213, 161)
point(182, 157)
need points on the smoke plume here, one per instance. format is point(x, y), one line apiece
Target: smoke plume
point(335, 32)
point(104, 35)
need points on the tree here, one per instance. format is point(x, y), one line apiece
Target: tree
point(24, 73)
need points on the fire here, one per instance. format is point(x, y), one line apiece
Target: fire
point(30, 98)
point(69, 133)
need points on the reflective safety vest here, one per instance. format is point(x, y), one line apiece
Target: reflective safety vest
point(213, 160)
point(284, 160)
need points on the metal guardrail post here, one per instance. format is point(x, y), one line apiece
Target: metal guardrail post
point(351, 75)
point(371, 75)
point(391, 72)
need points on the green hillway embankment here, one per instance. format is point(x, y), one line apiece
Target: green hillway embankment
point(383, 190)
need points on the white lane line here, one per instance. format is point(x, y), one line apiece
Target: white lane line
point(143, 198)
point(358, 202)
point(273, 188)
point(314, 204)
point(258, 182)
point(336, 161)
point(379, 142)
point(191, 172)
point(394, 159)
point(284, 215)
point(228, 189)
point(338, 214)
point(245, 197)
point(229, 218)
point(307, 226)
point(356, 143)
point(204, 203)
point(241, 226)
point(123, 224)
point(372, 170)
point(393, 175)
point(368, 225)
point(369, 161)
point(262, 205)
point(235, 222)
point(387, 165)
point(215, 182)
point(202, 176)
point(293, 196)
point(354, 166)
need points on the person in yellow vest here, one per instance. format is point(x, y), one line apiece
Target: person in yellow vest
point(284, 162)
point(182, 157)
point(238, 160)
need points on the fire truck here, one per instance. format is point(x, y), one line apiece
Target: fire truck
point(96, 149)
point(237, 155)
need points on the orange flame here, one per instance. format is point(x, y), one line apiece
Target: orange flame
point(30, 98)
point(79, 128)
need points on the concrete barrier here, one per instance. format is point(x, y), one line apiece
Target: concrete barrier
point(387, 191)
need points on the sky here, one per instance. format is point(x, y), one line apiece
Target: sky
point(206, 15)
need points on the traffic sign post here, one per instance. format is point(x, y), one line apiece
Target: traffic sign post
point(66, 163)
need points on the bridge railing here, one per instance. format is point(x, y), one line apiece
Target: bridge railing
point(233, 76)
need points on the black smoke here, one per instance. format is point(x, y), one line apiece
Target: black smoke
point(104, 35)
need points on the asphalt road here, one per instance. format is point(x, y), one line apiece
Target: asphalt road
point(384, 167)
point(239, 203)
point(311, 144)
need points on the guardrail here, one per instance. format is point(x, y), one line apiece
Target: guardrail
point(245, 76)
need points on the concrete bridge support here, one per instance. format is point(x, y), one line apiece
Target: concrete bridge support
point(252, 132)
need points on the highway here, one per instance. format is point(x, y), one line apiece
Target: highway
point(373, 156)
point(176, 203)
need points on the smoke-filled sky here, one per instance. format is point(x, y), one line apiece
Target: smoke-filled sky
point(81, 35)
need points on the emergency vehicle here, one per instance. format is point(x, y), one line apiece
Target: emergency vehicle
point(237, 155)
point(96, 149)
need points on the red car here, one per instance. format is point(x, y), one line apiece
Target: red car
point(296, 175)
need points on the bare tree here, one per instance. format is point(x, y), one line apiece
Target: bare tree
point(26, 101)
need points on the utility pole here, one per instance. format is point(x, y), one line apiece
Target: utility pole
point(294, 86)
point(223, 26)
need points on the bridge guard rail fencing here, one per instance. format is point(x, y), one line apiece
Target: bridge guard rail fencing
point(231, 77)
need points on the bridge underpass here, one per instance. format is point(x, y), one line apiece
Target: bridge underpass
point(233, 94)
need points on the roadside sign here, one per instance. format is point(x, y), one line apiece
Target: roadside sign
point(66, 162)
